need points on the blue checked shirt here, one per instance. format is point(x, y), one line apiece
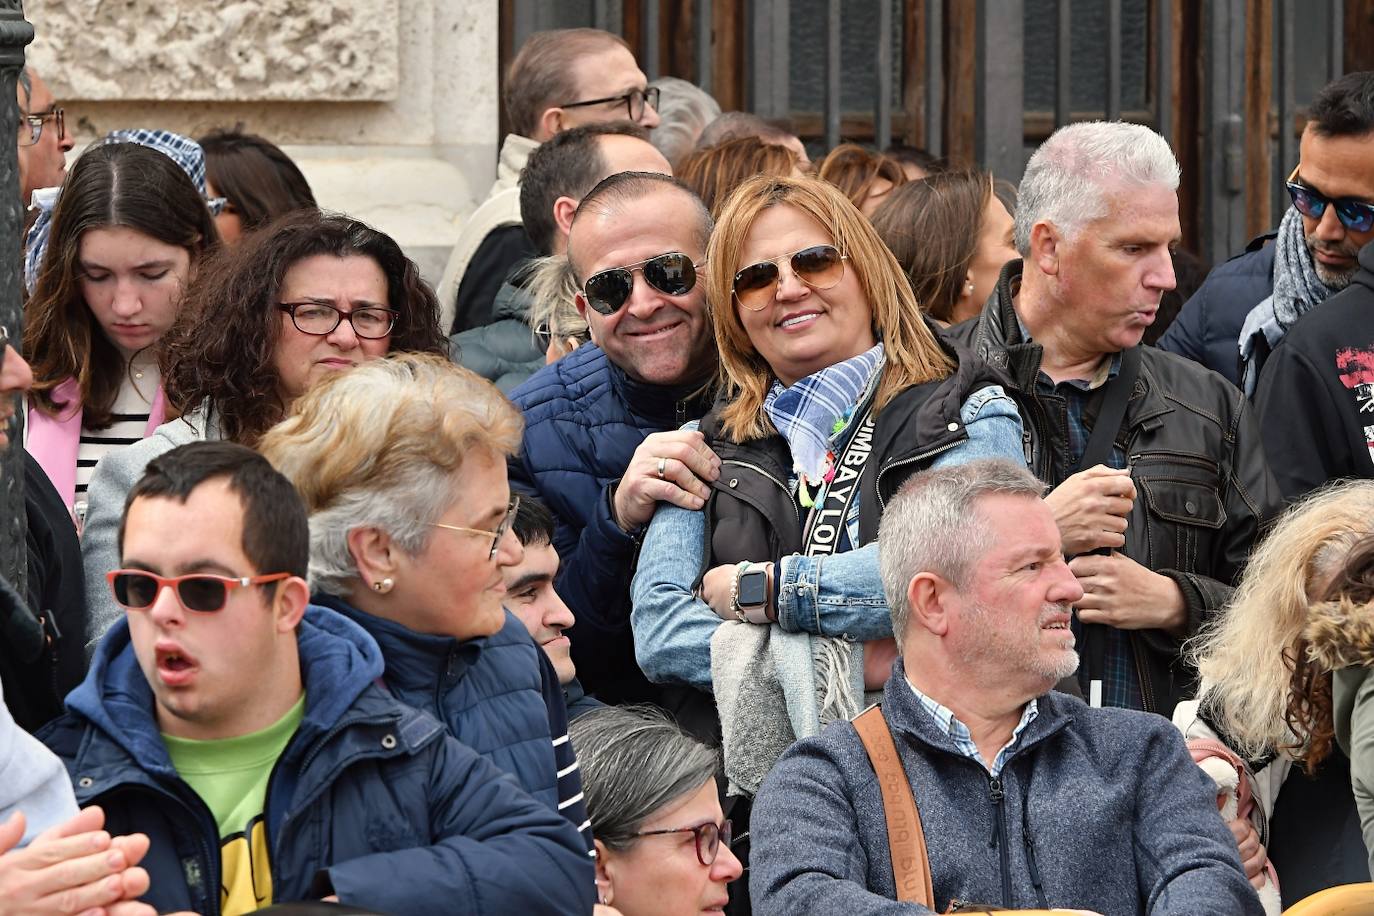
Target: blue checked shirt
point(963, 740)
point(1120, 682)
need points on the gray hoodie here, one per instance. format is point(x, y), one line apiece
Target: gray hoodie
point(1098, 809)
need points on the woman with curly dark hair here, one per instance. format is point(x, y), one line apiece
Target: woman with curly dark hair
point(307, 296)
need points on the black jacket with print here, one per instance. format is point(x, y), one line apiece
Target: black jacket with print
point(1316, 393)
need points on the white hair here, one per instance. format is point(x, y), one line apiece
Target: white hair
point(932, 526)
point(684, 110)
point(1069, 177)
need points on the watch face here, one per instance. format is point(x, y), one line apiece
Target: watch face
point(753, 588)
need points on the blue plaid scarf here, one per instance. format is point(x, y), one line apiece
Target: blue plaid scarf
point(812, 412)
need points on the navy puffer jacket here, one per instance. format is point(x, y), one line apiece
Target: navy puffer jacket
point(584, 418)
point(1207, 329)
point(487, 691)
point(370, 800)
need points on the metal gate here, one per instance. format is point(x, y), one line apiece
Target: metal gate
point(986, 80)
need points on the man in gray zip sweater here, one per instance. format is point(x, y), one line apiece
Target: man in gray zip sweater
point(1029, 799)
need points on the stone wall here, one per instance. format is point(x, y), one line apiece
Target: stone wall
point(389, 106)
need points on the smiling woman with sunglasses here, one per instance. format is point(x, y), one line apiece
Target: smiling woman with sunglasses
point(834, 390)
point(662, 844)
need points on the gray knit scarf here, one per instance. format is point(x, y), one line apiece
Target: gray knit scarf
point(1297, 290)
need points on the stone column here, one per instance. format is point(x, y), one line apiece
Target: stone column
point(15, 33)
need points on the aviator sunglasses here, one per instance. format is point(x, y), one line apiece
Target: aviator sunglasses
point(137, 589)
point(672, 273)
point(819, 267)
point(1355, 215)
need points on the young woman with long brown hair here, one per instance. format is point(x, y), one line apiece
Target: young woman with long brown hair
point(128, 233)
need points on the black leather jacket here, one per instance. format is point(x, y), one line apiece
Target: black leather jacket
point(1203, 488)
point(752, 514)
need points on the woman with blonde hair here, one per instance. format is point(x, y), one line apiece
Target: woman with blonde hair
point(401, 463)
point(1263, 697)
point(833, 390)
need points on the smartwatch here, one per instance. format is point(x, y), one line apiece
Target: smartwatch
point(751, 587)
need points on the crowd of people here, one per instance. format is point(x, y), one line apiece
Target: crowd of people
point(724, 532)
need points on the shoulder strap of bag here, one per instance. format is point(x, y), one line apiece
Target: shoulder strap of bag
point(1099, 447)
point(905, 838)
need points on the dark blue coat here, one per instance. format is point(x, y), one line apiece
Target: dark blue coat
point(487, 691)
point(584, 418)
point(1207, 329)
point(370, 800)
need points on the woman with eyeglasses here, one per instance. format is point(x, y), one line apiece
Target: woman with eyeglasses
point(309, 296)
point(401, 464)
point(662, 844)
point(129, 232)
point(833, 391)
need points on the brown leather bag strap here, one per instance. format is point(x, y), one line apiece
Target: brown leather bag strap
point(905, 838)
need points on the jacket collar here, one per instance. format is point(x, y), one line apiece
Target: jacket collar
point(414, 661)
point(659, 403)
point(515, 152)
point(905, 716)
point(338, 662)
point(1000, 341)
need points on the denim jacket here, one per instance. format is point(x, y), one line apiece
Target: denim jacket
point(837, 595)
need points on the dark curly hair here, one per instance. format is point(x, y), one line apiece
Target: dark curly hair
point(221, 352)
point(112, 184)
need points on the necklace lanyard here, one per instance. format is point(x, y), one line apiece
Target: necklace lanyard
point(828, 517)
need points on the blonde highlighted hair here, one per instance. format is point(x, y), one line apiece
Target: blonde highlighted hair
point(1247, 656)
point(378, 446)
point(913, 354)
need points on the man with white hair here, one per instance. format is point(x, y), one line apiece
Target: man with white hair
point(1026, 797)
point(1160, 482)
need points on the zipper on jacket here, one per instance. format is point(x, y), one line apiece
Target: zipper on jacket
point(1177, 457)
point(999, 834)
point(910, 459)
point(782, 486)
point(680, 407)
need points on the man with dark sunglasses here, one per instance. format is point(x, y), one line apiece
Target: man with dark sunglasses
point(603, 445)
point(559, 79)
point(1316, 394)
point(245, 731)
point(556, 178)
point(1246, 305)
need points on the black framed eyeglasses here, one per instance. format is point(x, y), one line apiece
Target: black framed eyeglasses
point(708, 838)
point(1355, 215)
point(511, 508)
point(673, 274)
point(319, 319)
point(38, 119)
point(634, 100)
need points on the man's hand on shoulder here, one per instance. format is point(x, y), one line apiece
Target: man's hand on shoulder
point(74, 867)
point(675, 467)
